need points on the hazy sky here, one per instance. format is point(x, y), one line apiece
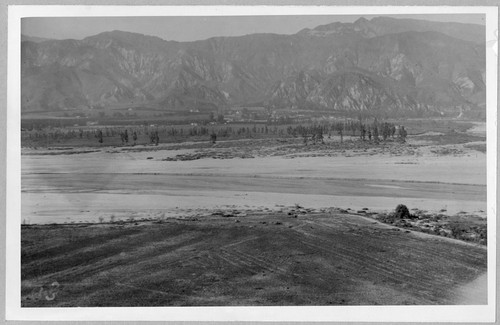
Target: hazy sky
point(196, 28)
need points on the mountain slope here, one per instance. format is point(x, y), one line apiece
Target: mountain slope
point(370, 64)
point(380, 26)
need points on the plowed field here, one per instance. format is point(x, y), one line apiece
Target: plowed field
point(248, 259)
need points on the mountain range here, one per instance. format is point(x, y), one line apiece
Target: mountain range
point(383, 64)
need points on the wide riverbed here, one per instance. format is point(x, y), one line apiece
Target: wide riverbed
point(97, 185)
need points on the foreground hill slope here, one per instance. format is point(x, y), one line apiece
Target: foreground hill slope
point(262, 259)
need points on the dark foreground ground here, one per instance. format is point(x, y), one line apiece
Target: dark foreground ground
point(246, 259)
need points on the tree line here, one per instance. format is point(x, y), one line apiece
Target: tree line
point(315, 132)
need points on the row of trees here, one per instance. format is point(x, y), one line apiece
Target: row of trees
point(365, 131)
point(310, 131)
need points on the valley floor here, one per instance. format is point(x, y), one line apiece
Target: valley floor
point(85, 187)
point(202, 224)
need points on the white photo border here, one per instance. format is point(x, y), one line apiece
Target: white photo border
point(14, 311)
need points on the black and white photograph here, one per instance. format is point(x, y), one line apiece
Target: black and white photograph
point(266, 158)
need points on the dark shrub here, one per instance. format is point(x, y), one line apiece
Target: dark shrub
point(460, 230)
point(402, 212)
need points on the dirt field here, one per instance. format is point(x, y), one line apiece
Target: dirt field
point(294, 258)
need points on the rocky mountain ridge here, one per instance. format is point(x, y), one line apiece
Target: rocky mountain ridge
point(379, 64)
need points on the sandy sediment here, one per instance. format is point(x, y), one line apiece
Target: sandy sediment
point(96, 183)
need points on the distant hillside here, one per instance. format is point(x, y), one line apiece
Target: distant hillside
point(33, 39)
point(380, 64)
point(380, 26)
